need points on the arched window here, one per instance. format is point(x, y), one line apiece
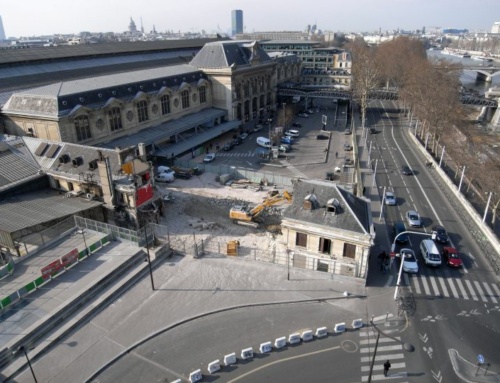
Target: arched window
point(203, 94)
point(142, 111)
point(115, 119)
point(185, 99)
point(82, 128)
point(165, 104)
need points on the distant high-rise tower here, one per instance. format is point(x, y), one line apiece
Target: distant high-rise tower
point(236, 22)
point(2, 32)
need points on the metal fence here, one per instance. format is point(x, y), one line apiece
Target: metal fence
point(292, 259)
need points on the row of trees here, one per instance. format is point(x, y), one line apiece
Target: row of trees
point(429, 92)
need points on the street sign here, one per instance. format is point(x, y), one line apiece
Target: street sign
point(480, 359)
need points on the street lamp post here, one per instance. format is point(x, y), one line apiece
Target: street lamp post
point(406, 346)
point(23, 349)
point(374, 172)
point(382, 206)
point(149, 257)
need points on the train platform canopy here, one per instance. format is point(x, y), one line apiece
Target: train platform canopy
point(24, 214)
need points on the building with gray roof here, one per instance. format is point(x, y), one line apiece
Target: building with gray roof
point(328, 226)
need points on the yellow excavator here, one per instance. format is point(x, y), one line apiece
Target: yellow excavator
point(249, 216)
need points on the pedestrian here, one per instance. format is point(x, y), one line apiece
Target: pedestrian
point(381, 258)
point(386, 265)
point(387, 365)
point(336, 154)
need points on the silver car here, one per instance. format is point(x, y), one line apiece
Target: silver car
point(390, 198)
point(413, 218)
point(410, 264)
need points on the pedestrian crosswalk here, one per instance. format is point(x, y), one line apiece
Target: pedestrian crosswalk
point(441, 283)
point(237, 154)
point(387, 349)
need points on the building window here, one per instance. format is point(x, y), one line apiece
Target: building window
point(165, 104)
point(301, 239)
point(203, 94)
point(115, 119)
point(142, 111)
point(325, 245)
point(349, 250)
point(185, 99)
point(82, 127)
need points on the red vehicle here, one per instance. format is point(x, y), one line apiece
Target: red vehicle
point(452, 257)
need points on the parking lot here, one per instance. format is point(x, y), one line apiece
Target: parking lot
point(313, 152)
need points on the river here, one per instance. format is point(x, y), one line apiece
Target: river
point(468, 77)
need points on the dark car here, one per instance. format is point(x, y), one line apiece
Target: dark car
point(237, 140)
point(452, 257)
point(373, 131)
point(406, 170)
point(228, 146)
point(296, 125)
point(398, 228)
point(322, 137)
point(439, 234)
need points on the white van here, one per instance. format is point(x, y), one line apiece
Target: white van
point(430, 253)
point(165, 169)
point(264, 142)
point(165, 177)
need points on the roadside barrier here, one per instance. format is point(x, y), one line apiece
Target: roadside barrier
point(265, 347)
point(195, 376)
point(247, 353)
point(280, 342)
point(339, 327)
point(307, 336)
point(213, 366)
point(321, 332)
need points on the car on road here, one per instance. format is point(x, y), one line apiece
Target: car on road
point(209, 157)
point(243, 135)
point(228, 146)
point(322, 137)
point(373, 131)
point(410, 263)
point(347, 147)
point(257, 128)
point(165, 177)
point(390, 198)
point(452, 257)
point(347, 132)
point(406, 170)
point(439, 234)
point(287, 140)
point(397, 229)
point(413, 218)
point(310, 111)
point(303, 115)
point(292, 133)
point(297, 125)
point(348, 161)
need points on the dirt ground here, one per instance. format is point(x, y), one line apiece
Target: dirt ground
point(200, 209)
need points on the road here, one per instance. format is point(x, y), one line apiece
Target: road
point(455, 309)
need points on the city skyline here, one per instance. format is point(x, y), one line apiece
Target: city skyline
point(55, 17)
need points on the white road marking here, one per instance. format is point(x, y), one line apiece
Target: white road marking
point(473, 293)
point(481, 293)
point(462, 289)
point(490, 293)
point(426, 286)
point(443, 287)
point(454, 290)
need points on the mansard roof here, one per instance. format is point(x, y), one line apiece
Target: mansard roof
point(226, 54)
point(56, 100)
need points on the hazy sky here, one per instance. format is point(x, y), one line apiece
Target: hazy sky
point(46, 17)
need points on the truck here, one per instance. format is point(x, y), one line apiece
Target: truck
point(250, 216)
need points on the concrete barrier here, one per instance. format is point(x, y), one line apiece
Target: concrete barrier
point(229, 359)
point(213, 366)
point(321, 332)
point(307, 336)
point(195, 376)
point(357, 323)
point(280, 342)
point(294, 338)
point(265, 347)
point(339, 327)
point(247, 353)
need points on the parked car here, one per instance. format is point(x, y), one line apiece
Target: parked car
point(303, 115)
point(284, 148)
point(257, 128)
point(309, 111)
point(183, 175)
point(413, 218)
point(296, 125)
point(292, 133)
point(452, 257)
point(410, 264)
point(165, 169)
point(243, 135)
point(406, 170)
point(439, 234)
point(237, 140)
point(165, 177)
point(398, 228)
point(287, 140)
point(373, 131)
point(347, 131)
point(322, 137)
point(390, 198)
point(347, 147)
point(348, 161)
point(228, 146)
point(209, 157)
